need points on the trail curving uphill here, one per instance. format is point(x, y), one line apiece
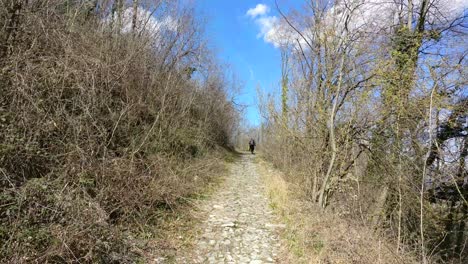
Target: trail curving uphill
point(239, 225)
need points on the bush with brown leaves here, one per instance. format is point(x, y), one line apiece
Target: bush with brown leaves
point(99, 127)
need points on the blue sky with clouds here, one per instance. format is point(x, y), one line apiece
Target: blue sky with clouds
point(238, 41)
point(242, 34)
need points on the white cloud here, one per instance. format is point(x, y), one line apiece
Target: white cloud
point(381, 14)
point(268, 28)
point(252, 75)
point(369, 16)
point(271, 29)
point(259, 10)
point(277, 32)
point(146, 22)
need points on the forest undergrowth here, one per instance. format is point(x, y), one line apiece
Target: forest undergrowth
point(369, 121)
point(105, 126)
point(315, 236)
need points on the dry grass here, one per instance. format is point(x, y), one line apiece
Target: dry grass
point(177, 231)
point(177, 228)
point(52, 222)
point(103, 133)
point(315, 236)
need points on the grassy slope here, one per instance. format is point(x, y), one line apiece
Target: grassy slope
point(176, 228)
point(315, 236)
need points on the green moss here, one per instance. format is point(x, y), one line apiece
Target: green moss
point(35, 237)
point(318, 245)
point(294, 244)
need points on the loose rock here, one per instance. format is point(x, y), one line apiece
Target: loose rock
point(239, 227)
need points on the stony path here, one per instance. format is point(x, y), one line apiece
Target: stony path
point(240, 225)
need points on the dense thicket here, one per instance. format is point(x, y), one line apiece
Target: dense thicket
point(373, 118)
point(106, 113)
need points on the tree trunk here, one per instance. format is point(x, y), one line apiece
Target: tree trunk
point(380, 206)
point(324, 188)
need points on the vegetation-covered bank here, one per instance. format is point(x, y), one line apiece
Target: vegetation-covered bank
point(314, 236)
point(105, 118)
point(371, 122)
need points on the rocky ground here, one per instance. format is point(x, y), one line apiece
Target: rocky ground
point(239, 226)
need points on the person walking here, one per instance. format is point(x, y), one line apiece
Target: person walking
point(252, 145)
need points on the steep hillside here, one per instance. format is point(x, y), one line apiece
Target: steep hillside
point(105, 118)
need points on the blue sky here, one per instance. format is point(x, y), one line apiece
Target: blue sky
point(237, 40)
point(243, 40)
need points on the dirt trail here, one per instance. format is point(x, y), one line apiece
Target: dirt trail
point(239, 226)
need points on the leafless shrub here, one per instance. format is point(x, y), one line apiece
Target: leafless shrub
point(100, 126)
point(373, 107)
